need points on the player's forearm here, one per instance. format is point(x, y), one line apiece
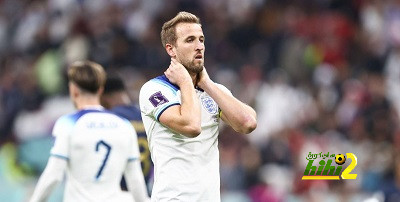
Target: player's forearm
point(190, 110)
point(43, 190)
point(50, 177)
point(135, 182)
point(241, 117)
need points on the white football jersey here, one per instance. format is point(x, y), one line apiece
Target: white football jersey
point(97, 145)
point(186, 169)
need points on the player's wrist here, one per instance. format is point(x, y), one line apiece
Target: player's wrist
point(185, 82)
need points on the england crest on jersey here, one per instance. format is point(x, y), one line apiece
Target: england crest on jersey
point(209, 104)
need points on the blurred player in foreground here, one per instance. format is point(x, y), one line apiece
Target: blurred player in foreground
point(181, 112)
point(115, 98)
point(93, 147)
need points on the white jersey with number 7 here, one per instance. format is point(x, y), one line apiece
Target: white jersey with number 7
point(97, 145)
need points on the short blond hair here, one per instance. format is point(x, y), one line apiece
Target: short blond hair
point(87, 75)
point(168, 31)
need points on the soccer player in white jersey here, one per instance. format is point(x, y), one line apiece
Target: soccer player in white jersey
point(93, 147)
point(181, 111)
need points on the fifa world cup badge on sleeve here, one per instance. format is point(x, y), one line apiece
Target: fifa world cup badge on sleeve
point(330, 167)
point(158, 99)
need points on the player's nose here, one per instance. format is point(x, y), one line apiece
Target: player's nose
point(199, 45)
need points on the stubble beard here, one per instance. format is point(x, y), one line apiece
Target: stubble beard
point(193, 67)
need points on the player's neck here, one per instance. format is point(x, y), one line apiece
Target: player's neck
point(122, 99)
point(86, 101)
point(118, 99)
point(194, 78)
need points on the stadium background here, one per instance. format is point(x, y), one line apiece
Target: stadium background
point(323, 75)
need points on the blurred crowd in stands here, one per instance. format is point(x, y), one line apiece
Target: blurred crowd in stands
point(323, 76)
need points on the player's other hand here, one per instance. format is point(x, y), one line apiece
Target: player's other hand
point(177, 73)
point(203, 78)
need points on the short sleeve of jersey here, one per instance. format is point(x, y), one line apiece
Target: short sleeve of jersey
point(62, 128)
point(156, 96)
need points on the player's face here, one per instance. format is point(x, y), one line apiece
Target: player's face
point(189, 47)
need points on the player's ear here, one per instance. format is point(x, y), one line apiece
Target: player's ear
point(73, 90)
point(100, 91)
point(170, 50)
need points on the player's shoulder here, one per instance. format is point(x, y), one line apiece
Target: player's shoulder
point(87, 117)
point(65, 123)
point(105, 115)
point(69, 119)
point(88, 114)
point(132, 108)
point(159, 83)
point(223, 88)
point(130, 112)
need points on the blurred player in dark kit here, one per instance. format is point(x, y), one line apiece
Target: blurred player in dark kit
point(116, 98)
